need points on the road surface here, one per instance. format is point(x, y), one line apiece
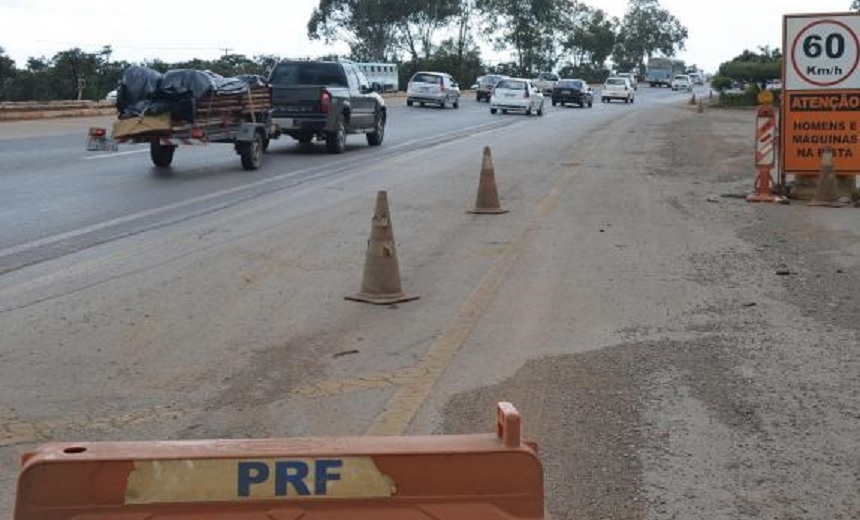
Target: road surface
point(628, 304)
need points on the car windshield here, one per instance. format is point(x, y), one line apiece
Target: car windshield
point(682, 78)
point(511, 85)
point(615, 81)
point(307, 73)
point(427, 78)
point(571, 83)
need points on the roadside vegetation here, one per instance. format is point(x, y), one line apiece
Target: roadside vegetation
point(740, 80)
point(573, 38)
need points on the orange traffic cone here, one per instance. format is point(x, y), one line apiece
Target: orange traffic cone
point(380, 283)
point(487, 200)
point(764, 188)
point(825, 192)
point(701, 107)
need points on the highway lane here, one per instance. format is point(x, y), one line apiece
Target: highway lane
point(59, 199)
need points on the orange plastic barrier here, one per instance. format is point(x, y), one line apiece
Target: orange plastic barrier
point(446, 477)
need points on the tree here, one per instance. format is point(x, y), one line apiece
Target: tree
point(645, 30)
point(7, 73)
point(589, 35)
point(750, 67)
point(366, 25)
point(528, 27)
point(855, 5)
point(417, 21)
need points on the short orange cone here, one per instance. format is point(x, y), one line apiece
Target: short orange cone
point(487, 200)
point(380, 283)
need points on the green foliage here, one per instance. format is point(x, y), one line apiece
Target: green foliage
point(721, 83)
point(647, 29)
point(529, 28)
point(751, 67)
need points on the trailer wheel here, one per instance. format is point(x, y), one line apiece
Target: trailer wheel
point(251, 152)
point(161, 154)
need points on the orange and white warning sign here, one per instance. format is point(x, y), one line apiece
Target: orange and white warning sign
point(816, 121)
point(820, 107)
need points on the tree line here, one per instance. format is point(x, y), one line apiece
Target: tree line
point(568, 36)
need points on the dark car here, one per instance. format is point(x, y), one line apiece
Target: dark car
point(486, 85)
point(574, 91)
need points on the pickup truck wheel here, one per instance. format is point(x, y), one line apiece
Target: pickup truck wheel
point(161, 154)
point(409, 102)
point(375, 138)
point(492, 110)
point(251, 152)
point(335, 141)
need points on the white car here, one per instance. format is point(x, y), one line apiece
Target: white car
point(438, 88)
point(616, 87)
point(111, 96)
point(682, 82)
point(517, 94)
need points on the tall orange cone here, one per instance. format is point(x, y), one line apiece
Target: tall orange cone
point(487, 200)
point(380, 283)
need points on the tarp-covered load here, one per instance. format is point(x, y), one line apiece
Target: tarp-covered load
point(189, 95)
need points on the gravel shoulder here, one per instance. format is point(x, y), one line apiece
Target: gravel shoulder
point(737, 396)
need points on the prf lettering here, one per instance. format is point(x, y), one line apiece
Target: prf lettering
point(288, 477)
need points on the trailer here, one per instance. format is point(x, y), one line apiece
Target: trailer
point(243, 119)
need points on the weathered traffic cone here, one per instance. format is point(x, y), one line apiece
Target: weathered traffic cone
point(487, 200)
point(693, 99)
point(701, 107)
point(825, 192)
point(380, 283)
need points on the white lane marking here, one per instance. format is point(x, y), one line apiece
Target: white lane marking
point(109, 155)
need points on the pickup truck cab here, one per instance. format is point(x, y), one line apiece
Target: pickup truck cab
point(546, 81)
point(326, 100)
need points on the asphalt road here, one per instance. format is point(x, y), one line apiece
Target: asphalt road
point(633, 313)
point(62, 199)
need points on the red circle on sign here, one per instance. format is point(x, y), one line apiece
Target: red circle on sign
point(821, 83)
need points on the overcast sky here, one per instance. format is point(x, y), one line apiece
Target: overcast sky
point(177, 30)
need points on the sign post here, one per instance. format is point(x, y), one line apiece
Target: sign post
point(820, 109)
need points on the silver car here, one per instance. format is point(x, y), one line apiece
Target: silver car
point(437, 88)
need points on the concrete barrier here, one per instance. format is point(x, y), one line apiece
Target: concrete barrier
point(24, 110)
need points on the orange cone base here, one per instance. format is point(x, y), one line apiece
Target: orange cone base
point(492, 211)
point(382, 299)
point(764, 197)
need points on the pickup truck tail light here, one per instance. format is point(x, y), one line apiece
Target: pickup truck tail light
point(325, 102)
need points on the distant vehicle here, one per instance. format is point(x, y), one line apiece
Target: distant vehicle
point(438, 88)
point(326, 100)
point(575, 91)
point(111, 96)
point(517, 94)
point(546, 81)
point(696, 78)
point(630, 76)
point(682, 82)
point(660, 70)
point(383, 77)
point(617, 88)
point(484, 90)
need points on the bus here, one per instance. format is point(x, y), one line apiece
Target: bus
point(383, 77)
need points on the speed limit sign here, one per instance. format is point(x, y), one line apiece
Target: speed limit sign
point(822, 52)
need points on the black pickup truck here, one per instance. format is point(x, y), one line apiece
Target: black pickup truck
point(326, 100)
